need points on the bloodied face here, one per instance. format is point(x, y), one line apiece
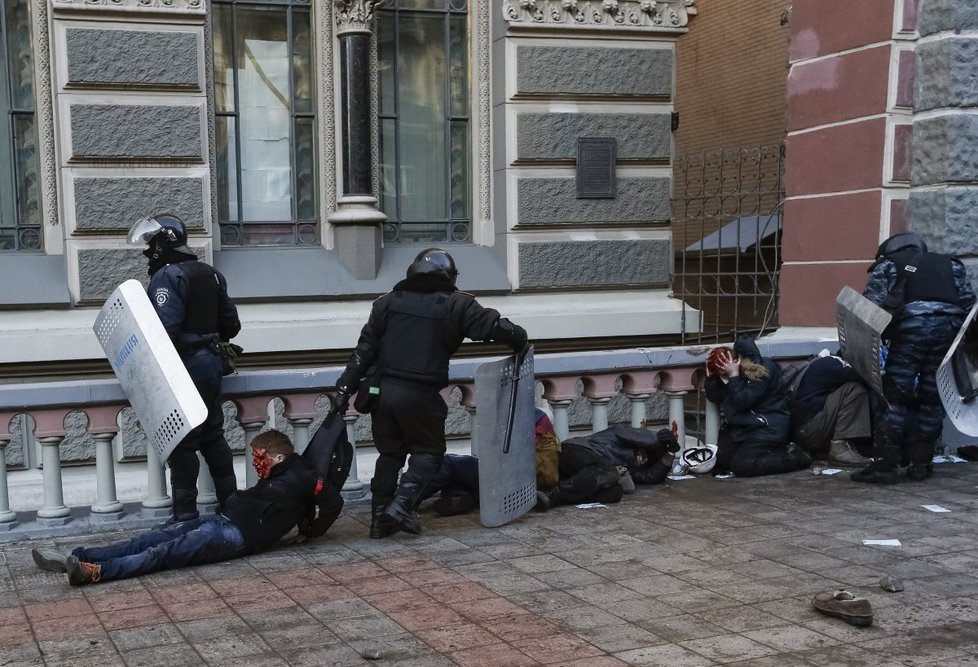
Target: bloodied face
point(263, 461)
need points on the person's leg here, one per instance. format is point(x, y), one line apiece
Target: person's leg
point(392, 452)
point(756, 458)
point(206, 368)
point(850, 405)
point(184, 468)
point(420, 412)
point(136, 544)
point(583, 473)
point(215, 539)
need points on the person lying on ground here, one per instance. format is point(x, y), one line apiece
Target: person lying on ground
point(754, 433)
point(602, 467)
point(252, 520)
point(457, 485)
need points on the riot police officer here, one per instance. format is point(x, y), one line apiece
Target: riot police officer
point(191, 300)
point(929, 295)
point(406, 344)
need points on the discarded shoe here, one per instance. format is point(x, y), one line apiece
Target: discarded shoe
point(873, 475)
point(50, 560)
point(462, 503)
point(918, 472)
point(843, 604)
point(842, 452)
point(82, 574)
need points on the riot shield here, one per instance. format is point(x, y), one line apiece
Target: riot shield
point(957, 378)
point(157, 384)
point(861, 323)
point(505, 440)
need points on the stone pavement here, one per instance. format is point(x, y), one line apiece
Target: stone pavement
point(696, 572)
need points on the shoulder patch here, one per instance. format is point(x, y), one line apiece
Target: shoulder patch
point(161, 295)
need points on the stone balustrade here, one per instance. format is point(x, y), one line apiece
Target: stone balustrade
point(562, 379)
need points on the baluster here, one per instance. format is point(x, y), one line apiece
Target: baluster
point(252, 415)
point(712, 423)
point(206, 492)
point(639, 387)
point(468, 402)
point(300, 410)
point(50, 432)
point(8, 519)
point(676, 384)
point(599, 390)
point(560, 392)
point(353, 488)
point(103, 424)
point(157, 503)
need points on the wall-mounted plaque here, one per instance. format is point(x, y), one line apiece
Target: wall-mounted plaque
point(596, 158)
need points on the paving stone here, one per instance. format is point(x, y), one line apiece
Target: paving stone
point(789, 638)
point(726, 648)
point(363, 627)
point(664, 654)
point(449, 639)
point(583, 618)
point(557, 648)
point(621, 637)
point(493, 654)
point(131, 639)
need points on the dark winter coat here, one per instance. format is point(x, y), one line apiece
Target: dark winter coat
point(823, 376)
point(272, 507)
point(754, 404)
point(620, 443)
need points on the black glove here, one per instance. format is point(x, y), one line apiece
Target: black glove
point(340, 400)
point(513, 334)
point(666, 437)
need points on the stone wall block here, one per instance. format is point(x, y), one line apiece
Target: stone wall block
point(945, 150)
point(101, 270)
point(564, 71)
point(115, 203)
point(135, 132)
point(553, 136)
point(112, 58)
point(554, 201)
point(946, 74)
point(941, 15)
point(946, 219)
point(595, 263)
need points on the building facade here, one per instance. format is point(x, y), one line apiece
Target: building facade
point(313, 147)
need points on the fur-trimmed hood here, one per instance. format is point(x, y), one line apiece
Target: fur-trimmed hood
point(751, 365)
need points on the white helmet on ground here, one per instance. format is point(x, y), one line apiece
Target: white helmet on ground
point(699, 460)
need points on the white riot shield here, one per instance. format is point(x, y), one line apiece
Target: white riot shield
point(505, 440)
point(957, 378)
point(861, 323)
point(160, 390)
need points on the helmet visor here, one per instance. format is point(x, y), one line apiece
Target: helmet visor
point(143, 231)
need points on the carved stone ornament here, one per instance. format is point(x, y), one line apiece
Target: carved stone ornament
point(647, 15)
point(355, 15)
point(155, 6)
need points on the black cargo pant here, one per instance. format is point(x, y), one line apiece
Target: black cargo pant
point(586, 476)
point(409, 420)
point(753, 458)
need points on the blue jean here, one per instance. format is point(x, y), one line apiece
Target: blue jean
point(195, 542)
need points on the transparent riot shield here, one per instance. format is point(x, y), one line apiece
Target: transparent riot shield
point(505, 440)
point(957, 378)
point(157, 384)
point(861, 323)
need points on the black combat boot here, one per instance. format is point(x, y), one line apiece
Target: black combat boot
point(883, 469)
point(380, 524)
point(401, 510)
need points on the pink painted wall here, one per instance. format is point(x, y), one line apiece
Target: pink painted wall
point(847, 155)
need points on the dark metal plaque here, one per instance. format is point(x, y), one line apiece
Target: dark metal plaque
point(596, 157)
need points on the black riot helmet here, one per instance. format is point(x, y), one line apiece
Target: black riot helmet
point(433, 261)
point(164, 232)
point(905, 241)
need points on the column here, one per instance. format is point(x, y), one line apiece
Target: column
point(712, 425)
point(639, 387)
point(357, 223)
point(676, 383)
point(206, 493)
point(353, 488)
point(599, 390)
point(560, 392)
point(50, 432)
point(468, 402)
point(8, 519)
point(252, 415)
point(300, 410)
point(157, 502)
point(103, 425)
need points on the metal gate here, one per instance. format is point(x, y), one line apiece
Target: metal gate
point(727, 213)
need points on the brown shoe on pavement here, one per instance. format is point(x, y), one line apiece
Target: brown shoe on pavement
point(81, 573)
point(842, 452)
point(843, 604)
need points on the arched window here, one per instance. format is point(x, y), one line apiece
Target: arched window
point(424, 113)
point(264, 91)
point(20, 206)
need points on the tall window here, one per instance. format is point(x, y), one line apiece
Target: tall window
point(265, 111)
point(424, 119)
point(20, 208)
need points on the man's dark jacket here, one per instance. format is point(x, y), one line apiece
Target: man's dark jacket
point(620, 443)
point(823, 376)
point(273, 506)
point(754, 405)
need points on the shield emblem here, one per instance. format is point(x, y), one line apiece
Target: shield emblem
point(957, 378)
point(505, 440)
point(861, 324)
point(149, 369)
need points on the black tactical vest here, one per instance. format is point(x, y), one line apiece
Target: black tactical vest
point(202, 298)
point(414, 345)
point(929, 278)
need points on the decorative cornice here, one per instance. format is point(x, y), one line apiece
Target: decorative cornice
point(139, 6)
point(355, 15)
point(645, 15)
